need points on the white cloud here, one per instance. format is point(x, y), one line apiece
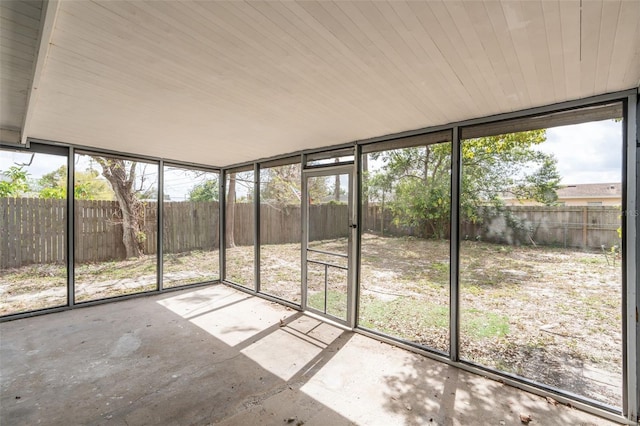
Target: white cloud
point(588, 152)
point(40, 164)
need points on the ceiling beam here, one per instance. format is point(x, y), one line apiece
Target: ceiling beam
point(47, 24)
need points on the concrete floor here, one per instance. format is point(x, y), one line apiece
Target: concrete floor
point(218, 356)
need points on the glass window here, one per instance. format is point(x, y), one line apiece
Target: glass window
point(329, 158)
point(240, 222)
point(191, 226)
point(331, 161)
point(33, 250)
point(116, 203)
point(540, 282)
point(404, 270)
point(280, 231)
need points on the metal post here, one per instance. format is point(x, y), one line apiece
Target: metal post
point(160, 225)
point(71, 286)
point(454, 249)
point(256, 227)
point(355, 252)
point(222, 244)
point(304, 233)
point(326, 282)
point(631, 295)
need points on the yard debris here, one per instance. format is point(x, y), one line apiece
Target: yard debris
point(510, 322)
point(551, 401)
point(525, 418)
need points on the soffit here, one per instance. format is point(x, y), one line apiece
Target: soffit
point(225, 82)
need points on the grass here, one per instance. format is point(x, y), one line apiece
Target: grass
point(524, 310)
point(528, 310)
point(402, 316)
point(336, 303)
point(479, 324)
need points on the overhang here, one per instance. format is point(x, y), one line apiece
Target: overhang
point(221, 83)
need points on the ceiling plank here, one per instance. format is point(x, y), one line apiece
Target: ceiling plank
point(554, 44)
point(571, 45)
point(608, 26)
point(625, 60)
point(589, 36)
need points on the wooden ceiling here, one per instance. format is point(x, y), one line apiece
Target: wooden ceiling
point(221, 83)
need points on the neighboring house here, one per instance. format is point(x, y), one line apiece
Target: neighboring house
point(584, 194)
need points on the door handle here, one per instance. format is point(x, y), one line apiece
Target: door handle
point(353, 225)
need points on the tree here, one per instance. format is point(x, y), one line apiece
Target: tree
point(417, 183)
point(417, 180)
point(14, 182)
point(87, 185)
point(123, 177)
point(509, 164)
point(280, 186)
point(205, 191)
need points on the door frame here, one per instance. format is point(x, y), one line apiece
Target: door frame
point(348, 169)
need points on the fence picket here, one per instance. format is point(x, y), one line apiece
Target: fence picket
point(33, 230)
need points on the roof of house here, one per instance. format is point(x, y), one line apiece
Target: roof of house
point(590, 190)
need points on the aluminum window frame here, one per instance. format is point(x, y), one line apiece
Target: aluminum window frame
point(591, 106)
point(161, 178)
point(283, 161)
point(38, 145)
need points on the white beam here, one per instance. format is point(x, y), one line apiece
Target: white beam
point(47, 24)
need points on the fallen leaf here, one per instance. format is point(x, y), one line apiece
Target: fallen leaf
point(525, 418)
point(551, 401)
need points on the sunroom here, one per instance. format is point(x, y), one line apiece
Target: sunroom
point(389, 170)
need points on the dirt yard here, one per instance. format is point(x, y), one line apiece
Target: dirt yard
point(550, 315)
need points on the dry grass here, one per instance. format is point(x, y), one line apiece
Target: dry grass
point(551, 315)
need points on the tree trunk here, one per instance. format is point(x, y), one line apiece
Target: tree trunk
point(230, 212)
point(122, 182)
point(131, 229)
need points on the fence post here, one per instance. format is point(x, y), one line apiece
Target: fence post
point(585, 217)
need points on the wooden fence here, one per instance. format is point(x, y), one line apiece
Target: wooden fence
point(282, 224)
point(32, 230)
point(564, 226)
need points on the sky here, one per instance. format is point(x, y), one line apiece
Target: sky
point(586, 153)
